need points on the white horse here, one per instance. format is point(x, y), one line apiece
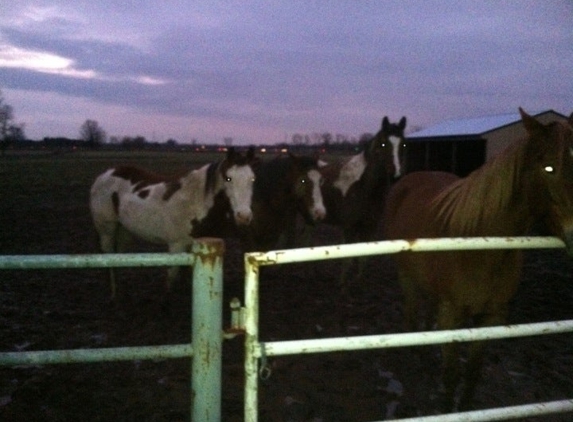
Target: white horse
point(129, 201)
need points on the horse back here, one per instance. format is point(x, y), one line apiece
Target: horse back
point(408, 212)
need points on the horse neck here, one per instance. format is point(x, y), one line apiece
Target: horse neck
point(491, 201)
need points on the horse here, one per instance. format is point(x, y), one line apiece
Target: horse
point(284, 186)
point(127, 201)
point(530, 182)
point(354, 190)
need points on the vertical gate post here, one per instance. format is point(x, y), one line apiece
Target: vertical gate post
point(207, 330)
point(251, 338)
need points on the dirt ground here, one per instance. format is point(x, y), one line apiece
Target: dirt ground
point(68, 309)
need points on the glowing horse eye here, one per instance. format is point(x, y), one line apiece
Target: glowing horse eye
point(303, 181)
point(228, 179)
point(549, 169)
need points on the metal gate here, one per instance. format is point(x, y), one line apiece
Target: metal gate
point(255, 349)
point(205, 348)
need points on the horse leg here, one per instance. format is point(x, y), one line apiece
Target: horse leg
point(450, 317)
point(410, 292)
point(476, 354)
point(173, 272)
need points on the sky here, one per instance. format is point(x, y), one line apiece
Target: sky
point(260, 71)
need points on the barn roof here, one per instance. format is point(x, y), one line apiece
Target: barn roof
point(470, 127)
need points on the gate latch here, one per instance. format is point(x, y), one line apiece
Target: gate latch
point(237, 320)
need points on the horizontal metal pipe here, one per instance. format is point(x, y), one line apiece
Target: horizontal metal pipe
point(339, 344)
point(22, 262)
point(500, 413)
point(96, 355)
point(394, 246)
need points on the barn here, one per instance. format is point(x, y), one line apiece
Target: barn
point(461, 146)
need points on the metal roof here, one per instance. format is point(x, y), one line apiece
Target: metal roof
point(468, 127)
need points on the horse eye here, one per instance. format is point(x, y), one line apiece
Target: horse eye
point(228, 179)
point(303, 181)
point(549, 169)
point(383, 145)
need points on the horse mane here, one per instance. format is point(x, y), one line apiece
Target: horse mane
point(470, 203)
point(211, 177)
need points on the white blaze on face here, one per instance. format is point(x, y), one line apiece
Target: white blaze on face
point(350, 173)
point(395, 141)
point(239, 189)
point(319, 210)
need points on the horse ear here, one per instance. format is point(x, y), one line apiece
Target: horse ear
point(385, 123)
point(402, 123)
point(531, 124)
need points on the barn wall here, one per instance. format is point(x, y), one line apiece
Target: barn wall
point(497, 140)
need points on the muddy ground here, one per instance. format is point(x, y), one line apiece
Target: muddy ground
point(57, 309)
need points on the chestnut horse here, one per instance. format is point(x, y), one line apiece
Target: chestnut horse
point(354, 190)
point(127, 201)
point(530, 182)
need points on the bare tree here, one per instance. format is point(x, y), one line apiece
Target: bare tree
point(92, 133)
point(9, 131)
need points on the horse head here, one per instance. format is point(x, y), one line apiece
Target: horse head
point(306, 182)
point(388, 147)
point(237, 173)
point(550, 154)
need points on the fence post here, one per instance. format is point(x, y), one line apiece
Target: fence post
point(207, 330)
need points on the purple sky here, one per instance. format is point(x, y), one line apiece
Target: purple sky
point(260, 71)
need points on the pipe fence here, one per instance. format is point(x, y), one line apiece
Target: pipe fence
point(205, 349)
point(257, 350)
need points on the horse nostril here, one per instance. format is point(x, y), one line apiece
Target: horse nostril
point(243, 218)
point(319, 215)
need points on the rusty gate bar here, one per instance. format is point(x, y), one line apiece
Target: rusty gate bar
point(207, 332)
point(422, 338)
point(255, 350)
point(501, 413)
point(48, 357)
point(27, 262)
point(207, 328)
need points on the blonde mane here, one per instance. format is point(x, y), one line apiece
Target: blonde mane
point(468, 206)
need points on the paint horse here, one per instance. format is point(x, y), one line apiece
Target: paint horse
point(284, 187)
point(354, 190)
point(530, 182)
point(128, 201)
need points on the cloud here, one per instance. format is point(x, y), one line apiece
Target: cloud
point(277, 67)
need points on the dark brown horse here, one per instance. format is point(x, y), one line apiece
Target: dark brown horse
point(284, 187)
point(354, 190)
point(530, 182)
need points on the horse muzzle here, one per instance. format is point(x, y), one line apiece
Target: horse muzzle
point(243, 218)
point(318, 214)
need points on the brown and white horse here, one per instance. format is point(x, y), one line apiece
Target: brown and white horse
point(354, 190)
point(530, 182)
point(284, 186)
point(164, 210)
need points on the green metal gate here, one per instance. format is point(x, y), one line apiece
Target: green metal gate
point(206, 258)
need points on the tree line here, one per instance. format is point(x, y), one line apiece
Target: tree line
point(93, 136)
